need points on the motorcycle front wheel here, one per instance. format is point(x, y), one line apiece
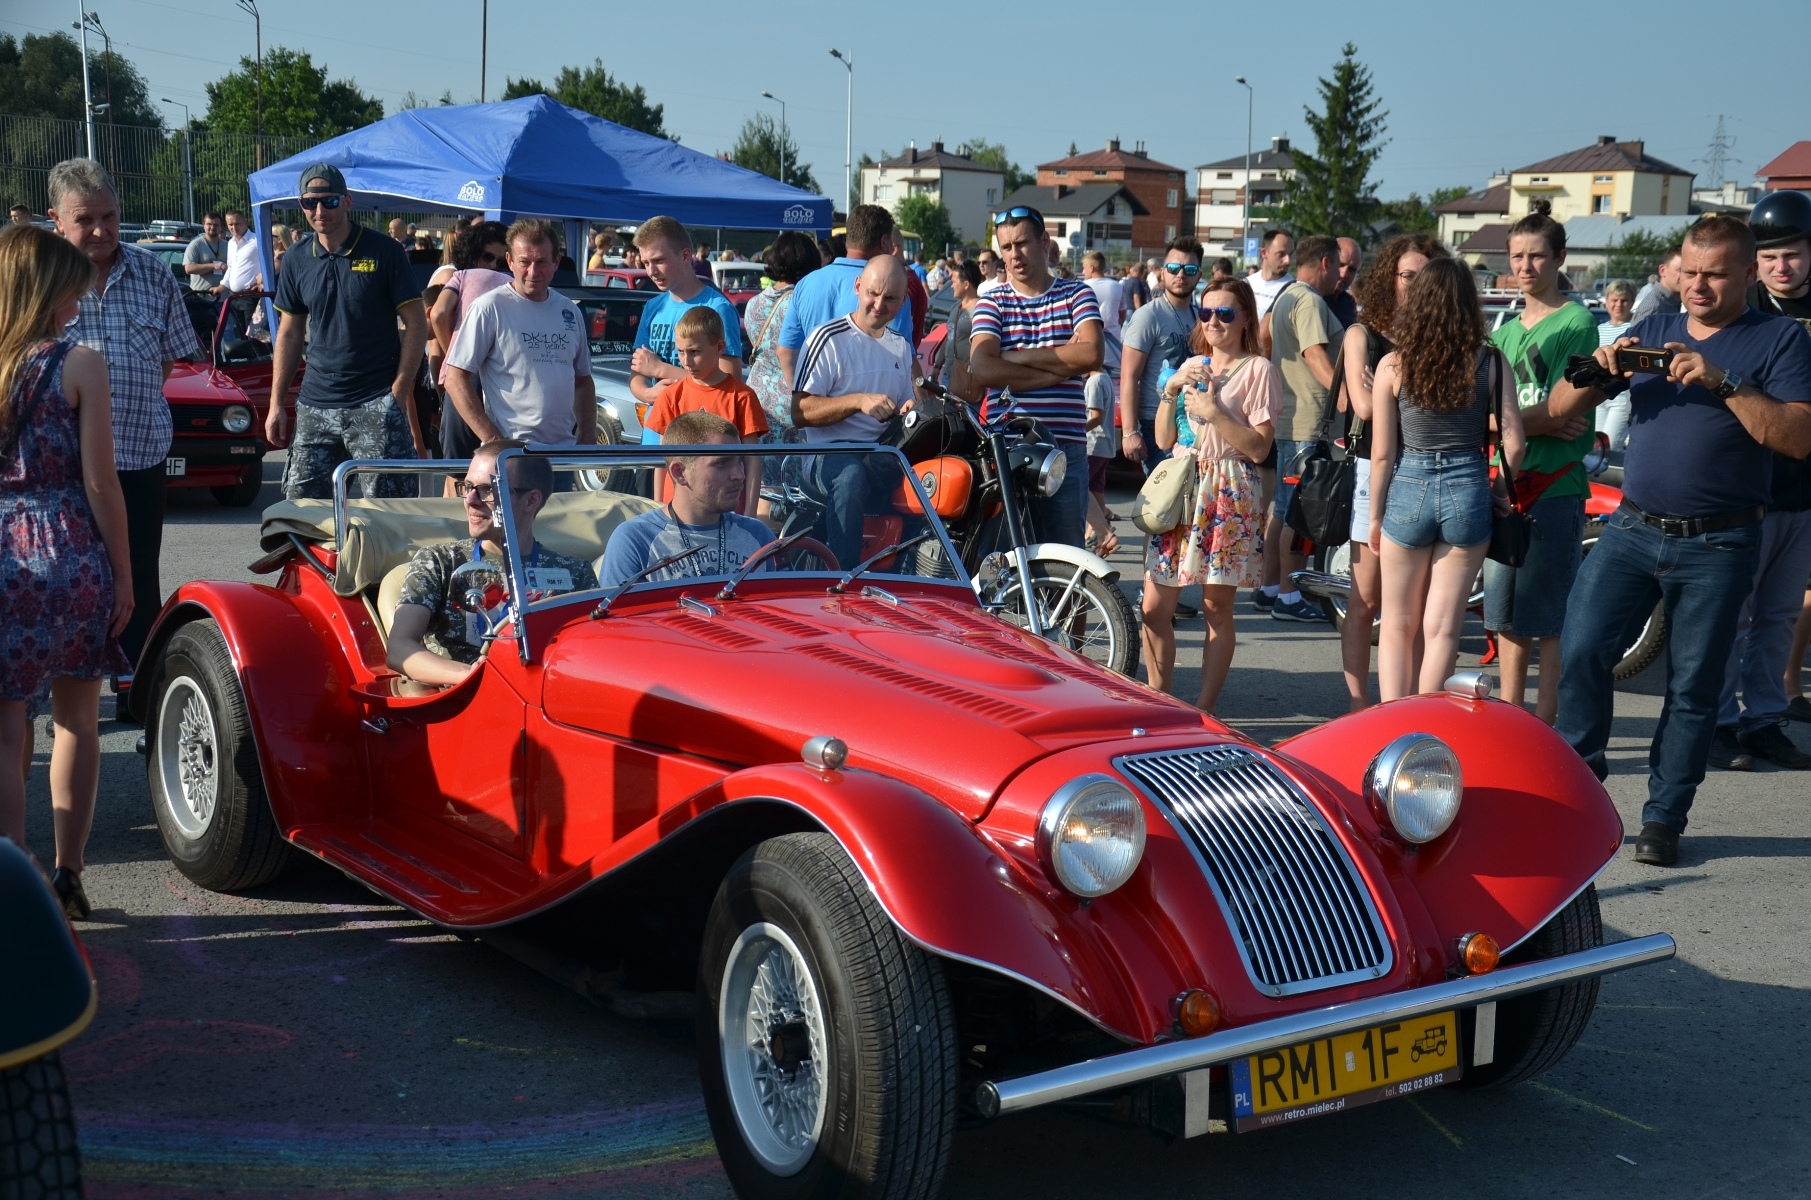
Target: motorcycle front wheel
point(1080, 611)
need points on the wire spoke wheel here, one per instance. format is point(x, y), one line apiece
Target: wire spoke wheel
point(188, 756)
point(1079, 612)
point(774, 1050)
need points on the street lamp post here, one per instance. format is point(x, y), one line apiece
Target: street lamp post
point(1245, 234)
point(782, 104)
point(483, 51)
point(87, 92)
point(93, 20)
point(188, 163)
point(251, 6)
point(848, 60)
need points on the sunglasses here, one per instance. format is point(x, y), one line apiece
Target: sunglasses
point(1018, 213)
point(328, 202)
point(1225, 314)
point(1189, 269)
point(486, 493)
point(493, 259)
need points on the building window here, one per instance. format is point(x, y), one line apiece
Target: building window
point(1460, 236)
point(1171, 202)
point(1538, 179)
point(1059, 229)
point(883, 191)
point(1110, 204)
point(1268, 175)
point(1062, 174)
point(1224, 196)
point(1603, 179)
point(1221, 233)
point(883, 172)
point(992, 195)
point(1169, 233)
point(1100, 174)
point(1224, 175)
point(1601, 204)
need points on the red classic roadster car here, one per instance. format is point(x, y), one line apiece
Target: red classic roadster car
point(919, 865)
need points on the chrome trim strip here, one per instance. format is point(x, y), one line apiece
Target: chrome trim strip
point(1169, 1058)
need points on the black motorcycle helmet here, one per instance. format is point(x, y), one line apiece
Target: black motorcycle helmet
point(1780, 218)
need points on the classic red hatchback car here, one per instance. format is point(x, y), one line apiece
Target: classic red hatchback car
point(918, 864)
point(217, 410)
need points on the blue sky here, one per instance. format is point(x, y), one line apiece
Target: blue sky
point(1471, 88)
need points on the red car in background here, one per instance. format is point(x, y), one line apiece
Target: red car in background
point(633, 278)
point(217, 409)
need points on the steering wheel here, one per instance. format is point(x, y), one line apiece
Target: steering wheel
point(815, 549)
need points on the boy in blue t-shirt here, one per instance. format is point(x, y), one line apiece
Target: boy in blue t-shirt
point(666, 254)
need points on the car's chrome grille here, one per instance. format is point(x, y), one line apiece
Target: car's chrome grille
point(1292, 896)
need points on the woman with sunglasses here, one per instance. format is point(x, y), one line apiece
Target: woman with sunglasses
point(1380, 294)
point(1431, 499)
point(480, 265)
point(1229, 394)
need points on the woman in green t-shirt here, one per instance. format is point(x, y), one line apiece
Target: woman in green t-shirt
point(1527, 604)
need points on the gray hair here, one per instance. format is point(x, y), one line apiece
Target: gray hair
point(83, 176)
point(1619, 287)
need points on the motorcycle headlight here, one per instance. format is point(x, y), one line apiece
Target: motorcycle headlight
point(1039, 466)
point(1052, 472)
point(1091, 835)
point(1416, 785)
point(236, 418)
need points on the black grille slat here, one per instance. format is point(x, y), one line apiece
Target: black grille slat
point(1293, 896)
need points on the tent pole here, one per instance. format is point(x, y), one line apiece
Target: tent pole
point(484, 52)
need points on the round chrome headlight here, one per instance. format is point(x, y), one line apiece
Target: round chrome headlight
point(1091, 835)
point(236, 418)
point(1416, 785)
point(1052, 471)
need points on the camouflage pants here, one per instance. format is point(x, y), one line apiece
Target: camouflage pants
point(326, 437)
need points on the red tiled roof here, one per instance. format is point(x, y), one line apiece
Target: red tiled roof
point(1795, 162)
point(1487, 200)
point(1096, 160)
point(1607, 154)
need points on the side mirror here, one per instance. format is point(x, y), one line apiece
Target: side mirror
point(476, 587)
point(1598, 457)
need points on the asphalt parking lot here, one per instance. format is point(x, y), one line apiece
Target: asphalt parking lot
point(314, 1039)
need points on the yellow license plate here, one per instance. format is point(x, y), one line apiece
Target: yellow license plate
point(1333, 1074)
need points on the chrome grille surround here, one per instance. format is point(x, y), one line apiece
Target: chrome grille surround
point(1300, 912)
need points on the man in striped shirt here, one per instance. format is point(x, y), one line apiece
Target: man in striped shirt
point(1032, 344)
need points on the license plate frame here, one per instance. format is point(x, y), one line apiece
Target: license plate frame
point(1313, 1079)
point(175, 467)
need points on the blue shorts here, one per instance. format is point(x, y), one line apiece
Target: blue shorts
point(1530, 600)
point(1287, 452)
point(1439, 497)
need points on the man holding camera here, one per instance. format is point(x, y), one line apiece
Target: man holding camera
point(1733, 388)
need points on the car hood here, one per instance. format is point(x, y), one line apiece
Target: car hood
point(931, 690)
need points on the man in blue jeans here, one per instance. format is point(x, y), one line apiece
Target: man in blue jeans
point(1689, 530)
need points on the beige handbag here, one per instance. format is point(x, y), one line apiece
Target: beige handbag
point(1167, 498)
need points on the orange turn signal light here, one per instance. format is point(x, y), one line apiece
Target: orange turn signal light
point(1198, 1012)
point(1478, 953)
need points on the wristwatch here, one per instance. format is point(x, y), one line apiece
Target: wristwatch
point(1726, 389)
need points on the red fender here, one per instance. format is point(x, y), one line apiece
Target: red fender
point(1530, 805)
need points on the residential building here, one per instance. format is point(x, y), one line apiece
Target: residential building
point(970, 190)
point(1220, 197)
point(1105, 214)
point(1590, 241)
point(1732, 198)
point(1790, 172)
point(1158, 187)
point(1461, 218)
point(1608, 178)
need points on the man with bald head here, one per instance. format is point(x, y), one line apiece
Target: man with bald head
point(854, 374)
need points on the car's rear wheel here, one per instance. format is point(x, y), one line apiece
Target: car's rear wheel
point(38, 1155)
point(826, 1043)
point(207, 790)
point(609, 433)
point(244, 493)
point(1534, 1032)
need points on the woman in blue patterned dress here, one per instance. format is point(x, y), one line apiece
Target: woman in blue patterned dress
point(62, 541)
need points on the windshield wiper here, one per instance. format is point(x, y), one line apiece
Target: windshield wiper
point(603, 606)
point(756, 559)
point(837, 588)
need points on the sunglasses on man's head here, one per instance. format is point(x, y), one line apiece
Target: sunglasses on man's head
point(1226, 314)
point(1019, 213)
point(1189, 269)
point(328, 202)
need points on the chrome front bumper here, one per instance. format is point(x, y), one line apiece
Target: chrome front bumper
point(995, 1098)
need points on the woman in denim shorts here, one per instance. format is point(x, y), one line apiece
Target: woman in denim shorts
point(1431, 503)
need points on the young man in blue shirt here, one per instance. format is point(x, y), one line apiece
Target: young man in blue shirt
point(666, 253)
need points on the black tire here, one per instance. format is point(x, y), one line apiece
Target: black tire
point(244, 493)
point(888, 1106)
point(621, 479)
point(1101, 624)
point(215, 821)
point(39, 1159)
point(1534, 1032)
point(1641, 647)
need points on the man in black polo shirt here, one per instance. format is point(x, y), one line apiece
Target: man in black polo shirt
point(349, 285)
point(1696, 486)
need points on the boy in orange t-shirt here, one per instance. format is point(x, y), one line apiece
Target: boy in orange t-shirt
point(698, 343)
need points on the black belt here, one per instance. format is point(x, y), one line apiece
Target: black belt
point(1693, 526)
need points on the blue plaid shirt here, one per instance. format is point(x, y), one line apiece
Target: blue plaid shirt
point(137, 325)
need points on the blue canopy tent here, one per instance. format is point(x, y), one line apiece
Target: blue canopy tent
point(536, 157)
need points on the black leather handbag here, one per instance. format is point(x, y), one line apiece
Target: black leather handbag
point(1321, 509)
point(1513, 531)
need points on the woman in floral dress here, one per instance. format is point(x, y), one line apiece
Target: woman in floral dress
point(793, 256)
point(1230, 395)
point(62, 541)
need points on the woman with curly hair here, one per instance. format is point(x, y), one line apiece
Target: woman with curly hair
point(1379, 293)
point(1431, 500)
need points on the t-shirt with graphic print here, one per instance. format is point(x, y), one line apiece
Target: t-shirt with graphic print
point(457, 634)
point(529, 356)
point(727, 543)
point(663, 312)
point(1537, 357)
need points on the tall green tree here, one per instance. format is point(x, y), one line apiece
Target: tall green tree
point(929, 218)
point(763, 146)
point(993, 154)
point(41, 76)
point(592, 89)
point(1332, 188)
point(299, 99)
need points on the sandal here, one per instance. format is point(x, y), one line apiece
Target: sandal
point(68, 887)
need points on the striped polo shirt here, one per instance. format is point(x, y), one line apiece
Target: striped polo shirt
point(1022, 322)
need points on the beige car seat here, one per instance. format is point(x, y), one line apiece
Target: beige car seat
point(389, 595)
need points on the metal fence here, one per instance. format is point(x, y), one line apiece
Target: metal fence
point(161, 174)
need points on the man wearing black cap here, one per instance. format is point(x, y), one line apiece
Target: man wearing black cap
point(1757, 665)
point(349, 285)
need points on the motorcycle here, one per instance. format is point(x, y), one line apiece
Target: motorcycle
point(1328, 578)
point(979, 479)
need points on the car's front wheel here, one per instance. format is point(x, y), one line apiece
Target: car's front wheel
point(826, 1044)
point(39, 1159)
point(1534, 1032)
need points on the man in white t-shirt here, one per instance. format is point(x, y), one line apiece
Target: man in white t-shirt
point(1106, 290)
point(993, 271)
point(527, 346)
point(854, 374)
point(1273, 270)
point(242, 273)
